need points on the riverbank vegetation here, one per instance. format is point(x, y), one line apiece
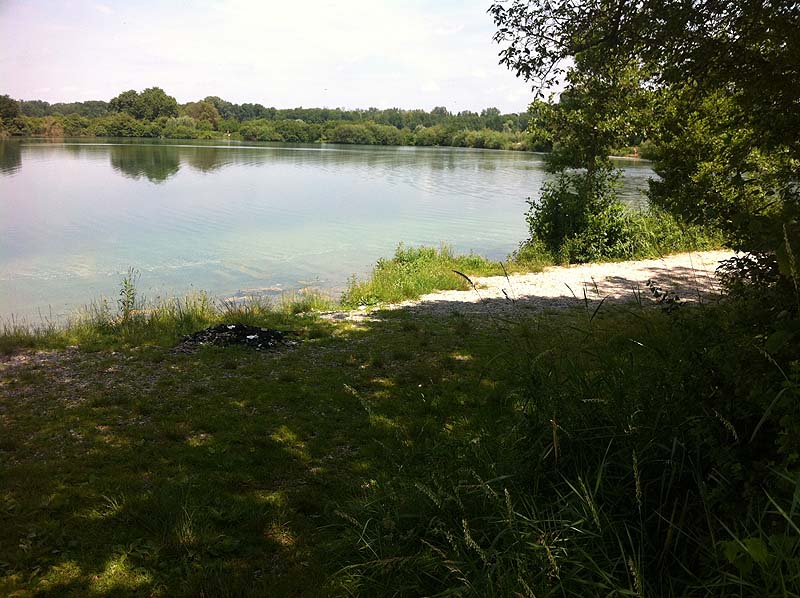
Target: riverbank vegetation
point(415, 271)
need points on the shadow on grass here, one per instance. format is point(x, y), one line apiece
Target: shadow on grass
point(146, 472)
point(228, 472)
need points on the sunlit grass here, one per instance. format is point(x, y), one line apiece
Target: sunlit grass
point(133, 321)
point(415, 271)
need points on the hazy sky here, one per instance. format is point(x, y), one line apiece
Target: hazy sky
point(344, 53)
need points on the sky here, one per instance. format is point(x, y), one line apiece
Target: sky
point(311, 53)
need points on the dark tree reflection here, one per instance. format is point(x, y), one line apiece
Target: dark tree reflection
point(10, 156)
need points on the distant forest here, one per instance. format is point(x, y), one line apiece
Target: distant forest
point(154, 113)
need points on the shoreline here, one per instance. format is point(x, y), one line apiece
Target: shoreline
point(687, 277)
point(240, 142)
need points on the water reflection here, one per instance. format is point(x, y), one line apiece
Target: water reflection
point(10, 156)
point(155, 163)
point(206, 159)
point(158, 160)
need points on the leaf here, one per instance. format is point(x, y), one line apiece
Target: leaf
point(757, 550)
point(730, 550)
point(778, 339)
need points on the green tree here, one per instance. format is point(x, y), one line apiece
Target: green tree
point(152, 103)
point(694, 54)
point(225, 109)
point(492, 119)
point(203, 112)
point(9, 108)
point(34, 108)
point(124, 102)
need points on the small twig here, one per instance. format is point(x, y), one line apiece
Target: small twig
point(472, 284)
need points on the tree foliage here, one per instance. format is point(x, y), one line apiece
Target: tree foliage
point(150, 104)
point(124, 102)
point(9, 108)
point(204, 112)
point(726, 75)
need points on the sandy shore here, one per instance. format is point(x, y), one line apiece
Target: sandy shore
point(690, 276)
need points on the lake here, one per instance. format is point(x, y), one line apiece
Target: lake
point(242, 218)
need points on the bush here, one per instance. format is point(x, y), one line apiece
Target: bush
point(117, 125)
point(18, 126)
point(75, 125)
point(46, 126)
point(648, 150)
point(259, 130)
point(356, 134)
point(436, 135)
point(578, 219)
point(296, 131)
point(572, 205)
point(414, 271)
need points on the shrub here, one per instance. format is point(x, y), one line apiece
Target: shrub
point(259, 130)
point(572, 204)
point(356, 134)
point(435, 135)
point(579, 219)
point(414, 271)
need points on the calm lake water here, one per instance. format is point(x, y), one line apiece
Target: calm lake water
point(237, 218)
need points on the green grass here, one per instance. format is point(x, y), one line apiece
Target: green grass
point(618, 451)
point(621, 455)
point(654, 233)
point(134, 322)
point(415, 271)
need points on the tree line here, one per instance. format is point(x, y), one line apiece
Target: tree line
point(154, 113)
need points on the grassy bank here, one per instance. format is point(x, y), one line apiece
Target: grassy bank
point(642, 451)
point(130, 321)
point(619, 452)
point(415, 271)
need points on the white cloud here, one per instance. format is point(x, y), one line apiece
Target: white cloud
point(353, 53)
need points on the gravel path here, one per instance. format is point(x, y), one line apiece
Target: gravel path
point(690, 276)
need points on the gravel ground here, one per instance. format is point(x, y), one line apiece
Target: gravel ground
point(689, 276)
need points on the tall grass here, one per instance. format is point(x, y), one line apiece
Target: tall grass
point(415, 271)
point(134, 321)
point(637, 454)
